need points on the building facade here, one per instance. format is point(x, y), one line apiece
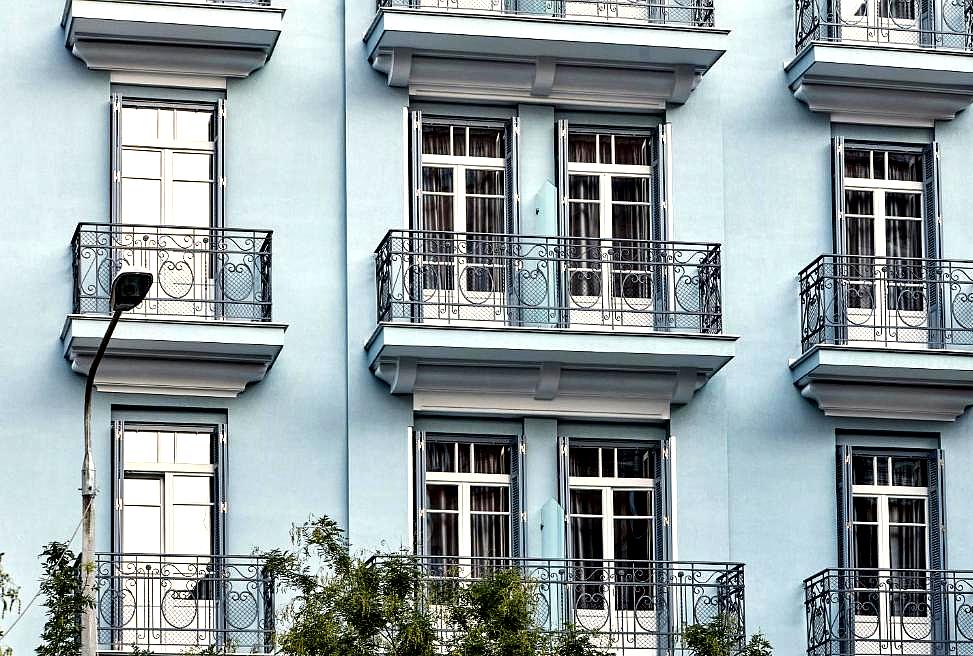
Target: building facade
point(667, 303)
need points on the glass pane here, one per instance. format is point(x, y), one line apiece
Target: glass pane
point(491, 459)
point(194, 448)
point(907, 546)
point(435, 139)
point(863, 470)
point(191, 529)
point(443, 534)
point(882, 469)
point(459, 142)
point(632, 503)
point(632, 151)
point(909, 472)
point(583, 187)
point(585, 502)
point(139, 125)
point(489, 498)
point(463, 451)
point(191, 204)
point(486, 142)
point(442, 497)
point(861, 239)
point(903, 204)
point(607, 462)
point(901, 10)
point(140, 446)
point(141, 201)
point(865, 509)
point(581, 148)
point(605, 146)
point(142, 491)
point(490, 536)
point(636, 463)
point(903, 238)
point(634, 190)
point(633, 539)
point(631, 222)
point(440, 456)
point(484, 215)
point(484, 181)
point(859, 202)
point(907, 511)
point(437, 178)
point(142, 163)
point(586, 538)
point(905, 167)
point(878, 165)
point(437, 214)
point(866, 545)
point(167, 121)
point(192, 489)
point(194, 125)
point(142, 529)
point(192, 166)
point(583, 462)
point(167, 446)
point(858, 163)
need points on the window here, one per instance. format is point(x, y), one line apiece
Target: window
point(887, 21)
point(468, 495)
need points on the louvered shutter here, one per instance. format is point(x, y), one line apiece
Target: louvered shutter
point(840, 231)
point(563, 221)
point(512, 268)
point(118, 483)
point(518, 498)
point(937, 544)
point(564, 487)
point(512, 164)
point(839, 289)
point(927, 22)
point(116, 158)
point(418, 491)
point(663, 502)
point(107, 273)
point(932, 243)
point(220, 263)
point(415, 170)
point(843, 483)
point(220, 484)
point(412, 294)
point(833, 17)
point(661, 220)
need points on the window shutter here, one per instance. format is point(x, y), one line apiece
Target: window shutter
point(663, 502)
point(564, 487)
point(927, 22)
point(518, 498)
point(561, 163)
point(118, 483)
point(419, 491)
point(932, 247)
point(221, 462)
point(661, 219)
point(415, 169)
point(838, 182)
point(844, 515)
point(116, 158)
point(937, 511)
point(512, 156)
point(834, 19)
point(219, 173)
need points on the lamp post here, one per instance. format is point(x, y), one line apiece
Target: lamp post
point(128, 289)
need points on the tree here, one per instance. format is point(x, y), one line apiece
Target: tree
point(9, 602)
point(64, 599)
point(720, 636)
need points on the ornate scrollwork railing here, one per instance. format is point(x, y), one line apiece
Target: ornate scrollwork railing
point(889, 611)
point(560, 282)
point(682, 13)
point(205, 273)
point(636, 607)
point(887, 301)
point(939, 24)
point(183, 603)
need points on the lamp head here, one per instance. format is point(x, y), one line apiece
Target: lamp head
point(130, 287)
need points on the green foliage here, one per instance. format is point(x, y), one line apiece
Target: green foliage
point(344, 606)
point(64, 599)
point(9, 602)
point(720, 637)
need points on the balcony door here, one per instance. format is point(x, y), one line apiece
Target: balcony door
point(462, 248)
point(164, 579)
point(881, 21)
point(610, 227)
point(165, 200)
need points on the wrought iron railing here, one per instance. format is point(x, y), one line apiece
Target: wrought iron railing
point(681, 13)
point(940, 24)
point(887, 301)
point(889, 611)
point(515, 280)
point(206, 273)
point(183, 603)
point(628, 607)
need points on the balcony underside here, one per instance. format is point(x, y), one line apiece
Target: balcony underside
point(541, 60)
point(888, 85)
point(886, 383)
point(174, 356)
point(229, 40)
point(524, 371)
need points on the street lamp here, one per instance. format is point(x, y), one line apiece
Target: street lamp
point(128, 289)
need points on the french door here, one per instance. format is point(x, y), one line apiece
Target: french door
point(463, 250)
point(884, 228)
point(881, 21)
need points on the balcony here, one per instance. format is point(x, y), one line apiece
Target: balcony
point(534, 325)
point(183, 604)
point(593, 54)
point(891, 62)
point(205, 328)
point(632, 607)
point(887, 337)
point(214, 38)
point(888, 611)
